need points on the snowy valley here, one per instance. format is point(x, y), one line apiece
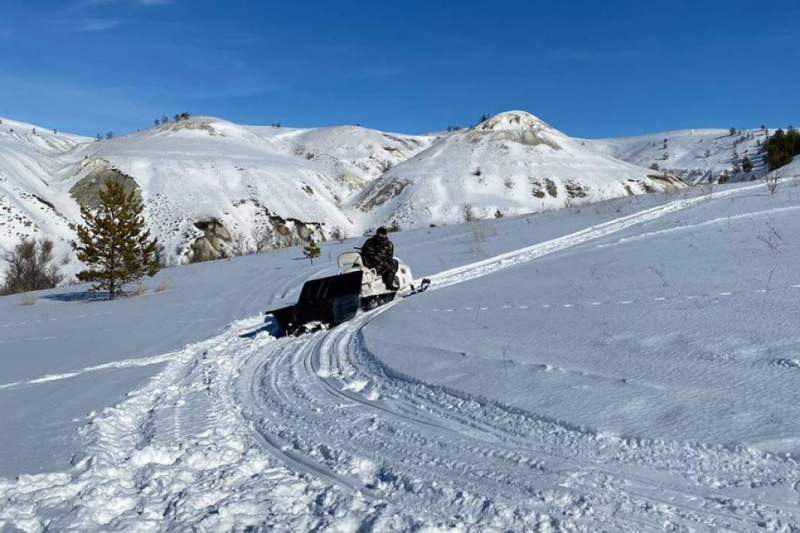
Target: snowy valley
point(604, 346)
point(559, 375)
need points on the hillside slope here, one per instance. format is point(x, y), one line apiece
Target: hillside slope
point(630, 367)
point(210, 187)
point(696, 155)
point(513, 163)
point(32, 162)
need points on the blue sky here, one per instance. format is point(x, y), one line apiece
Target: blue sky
point(591, 69)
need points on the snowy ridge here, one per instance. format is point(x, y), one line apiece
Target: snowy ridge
point(290, 182)
point(697, 155)
point(245, 430)
point(211, 187)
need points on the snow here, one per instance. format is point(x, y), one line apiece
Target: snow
point(345, 178)
point(697, 155)
point(513, 164)
point(196, 170)
point(626, 365)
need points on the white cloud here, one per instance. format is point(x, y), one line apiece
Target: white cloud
point(96, 24)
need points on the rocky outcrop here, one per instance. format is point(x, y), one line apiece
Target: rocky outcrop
point(87, 190)
point(292, 232)
point(212, 244)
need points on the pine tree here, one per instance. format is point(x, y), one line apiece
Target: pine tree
point(114, 243)
point(311, 250)
point(747, 165)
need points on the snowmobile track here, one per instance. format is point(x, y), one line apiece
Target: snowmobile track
point(320, 393)
point(247, 431)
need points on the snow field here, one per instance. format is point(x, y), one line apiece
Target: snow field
point(331, 431)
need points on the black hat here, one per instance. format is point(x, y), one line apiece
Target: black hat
point(382, 231)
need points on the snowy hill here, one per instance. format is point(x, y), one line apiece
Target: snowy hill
point(213, 188)
point(696, 155)
point(630, 367)
point(210, 187)
point(32, 162)
point(513, 163)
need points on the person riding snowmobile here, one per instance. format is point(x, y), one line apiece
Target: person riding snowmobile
point(378, 253)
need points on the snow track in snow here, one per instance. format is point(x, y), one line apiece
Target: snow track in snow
point(244, 430)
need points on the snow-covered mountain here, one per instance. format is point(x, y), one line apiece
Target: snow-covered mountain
point(212, 187)
point(209, 186)
point(512, 163)
point(696, 155)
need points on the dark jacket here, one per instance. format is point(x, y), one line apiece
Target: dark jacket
point(378, 253)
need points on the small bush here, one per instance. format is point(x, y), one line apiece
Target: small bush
point(28, 299)
point(393, 227)
point(337, 234)
point(469, 213)
point(29, 267)
point(164, 285)
point(139, 290)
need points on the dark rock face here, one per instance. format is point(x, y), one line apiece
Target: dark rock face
point(87, 191)
point(211, 245)
point(291, 232)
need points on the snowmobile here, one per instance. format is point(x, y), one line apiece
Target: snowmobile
point(327, 302)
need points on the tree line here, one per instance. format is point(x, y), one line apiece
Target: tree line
point(782, 147)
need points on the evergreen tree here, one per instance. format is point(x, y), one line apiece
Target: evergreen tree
point(114, 243)
point(311, 250)
point(782, 147)
point(747, 165)
point(156, 122)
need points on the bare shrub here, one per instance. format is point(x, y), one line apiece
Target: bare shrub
point(393, 227)
point(337, 234)
point(469, 213)
point(773, 179)
point(239, 245)
point(139, 290)
point(30, 268)
point(164, 285)
point(262, 237)
point(27, 299)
